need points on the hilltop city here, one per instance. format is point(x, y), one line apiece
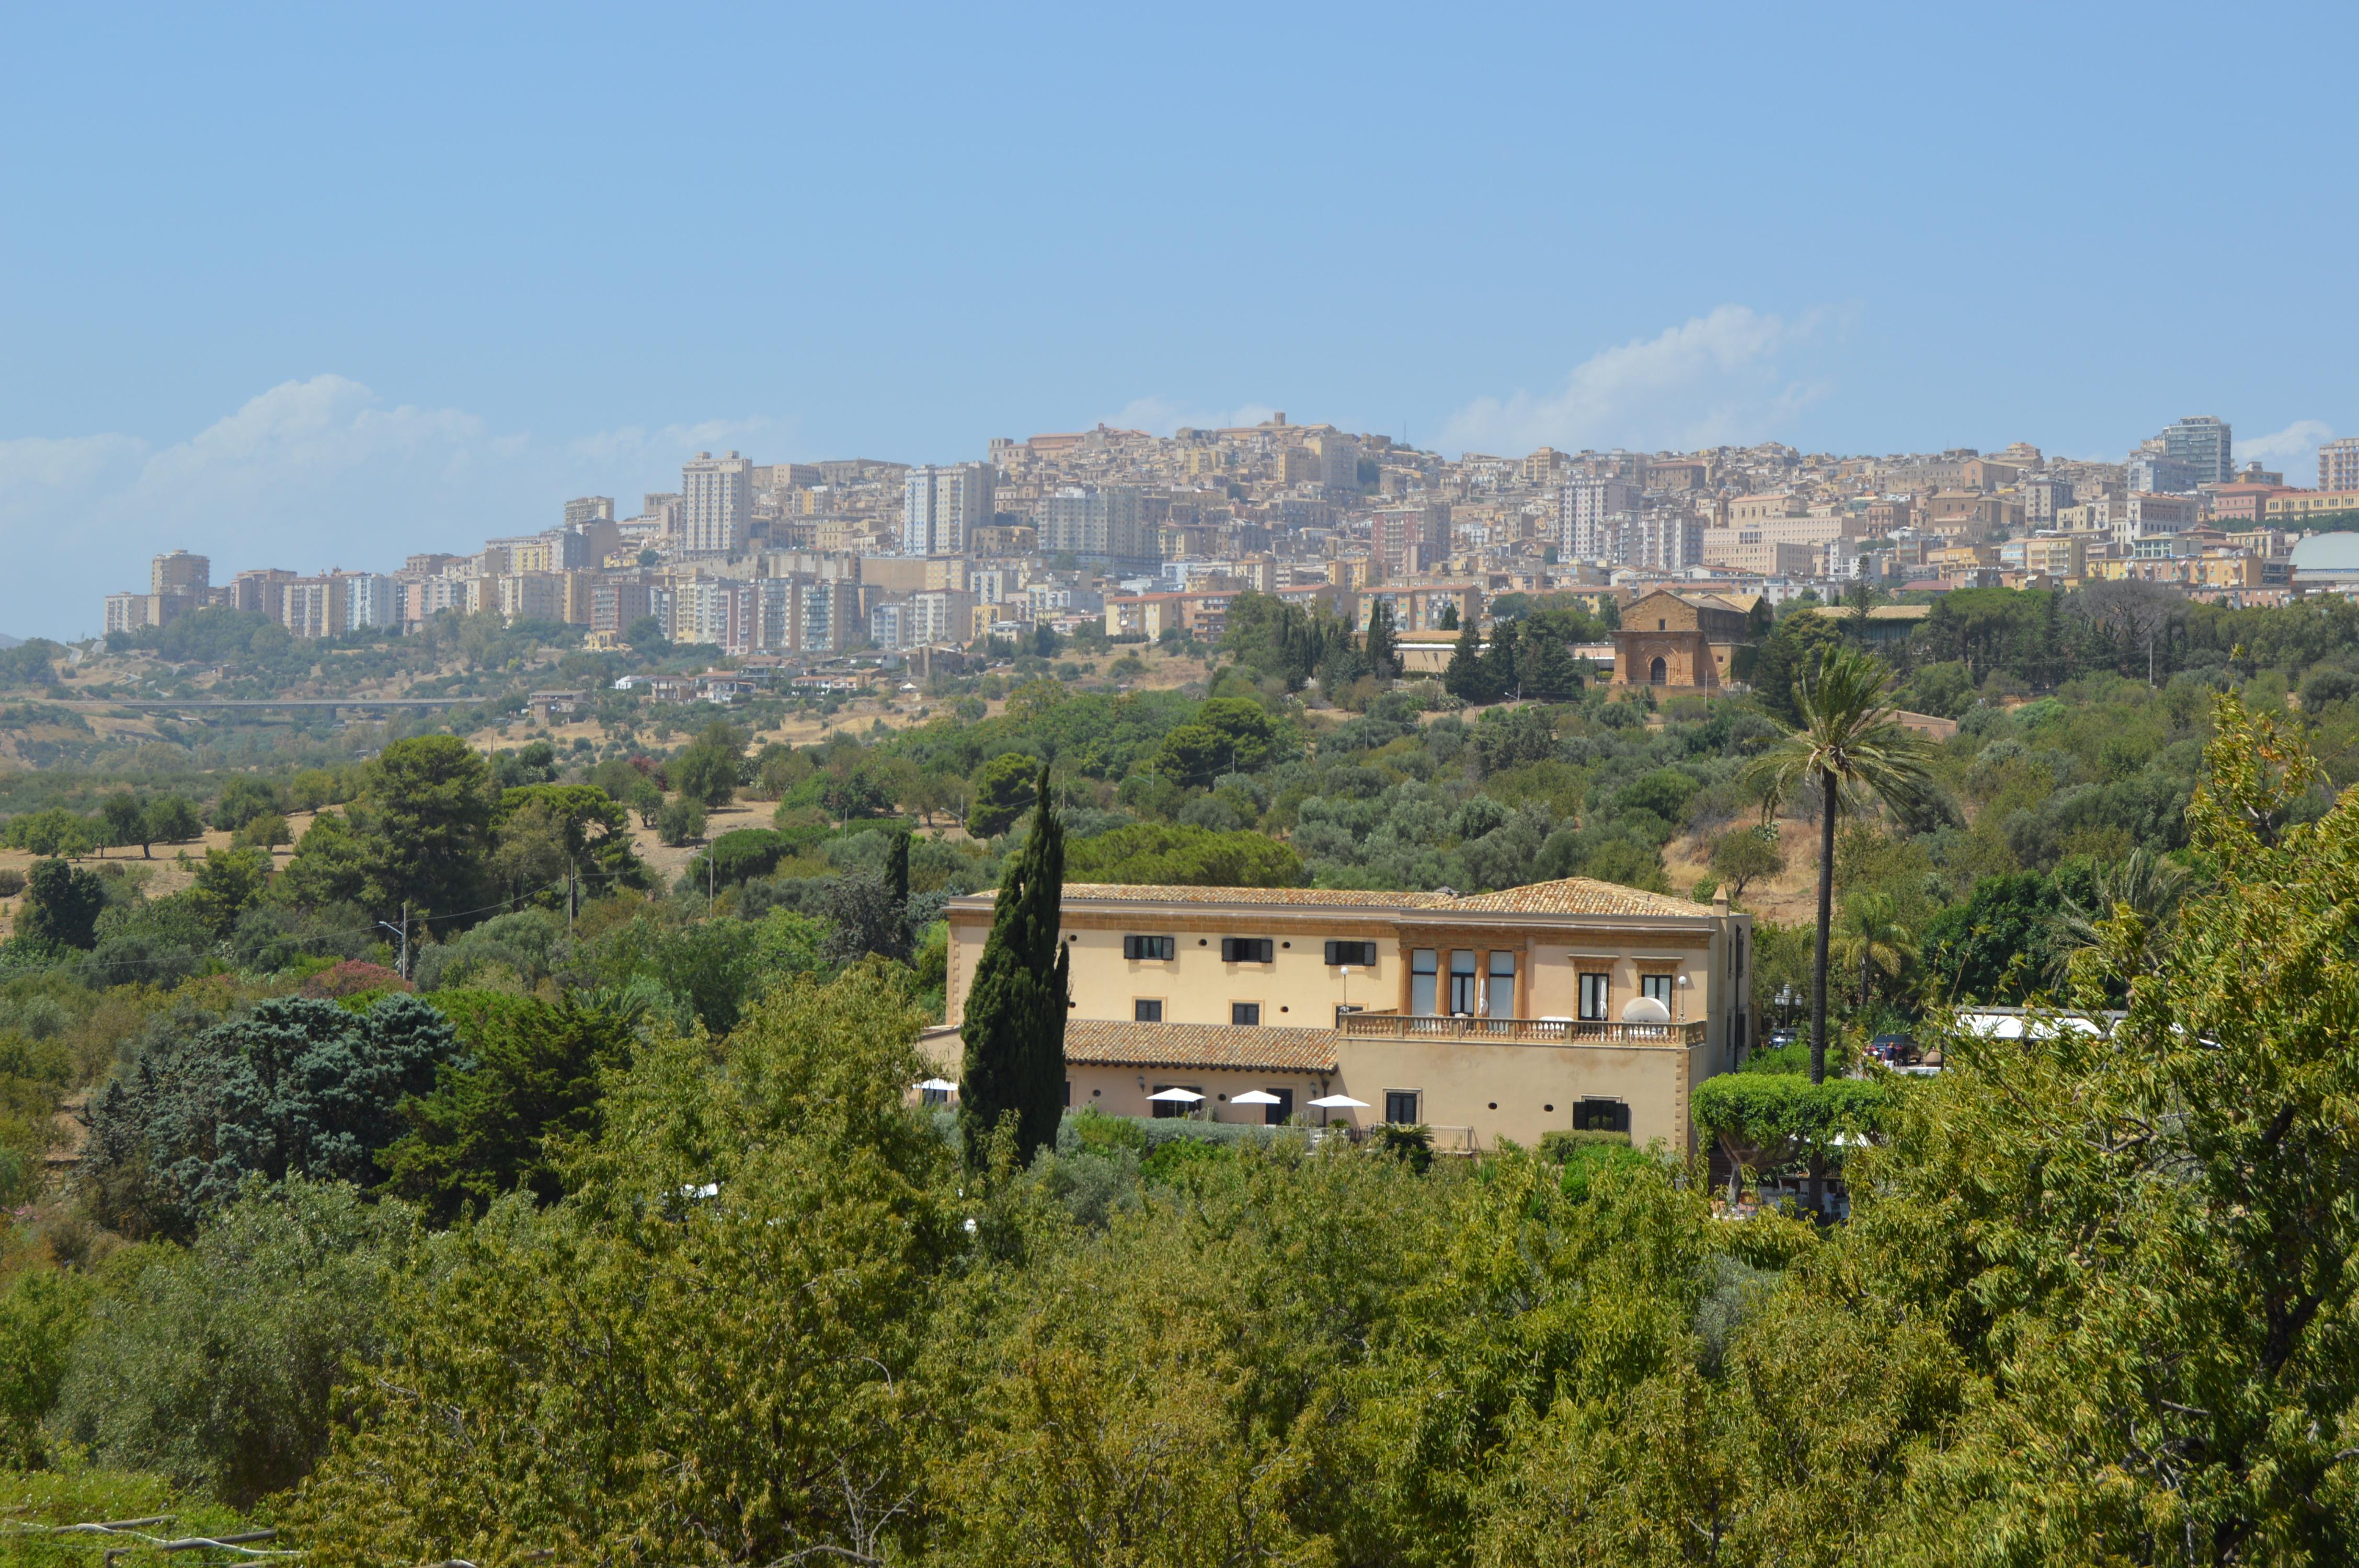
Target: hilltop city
point(1154, 537)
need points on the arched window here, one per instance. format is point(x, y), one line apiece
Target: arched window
point(1659, 673)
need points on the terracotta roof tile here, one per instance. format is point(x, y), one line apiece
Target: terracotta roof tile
point(1573, 895)
point(1098, 1042)
point(1346, 898)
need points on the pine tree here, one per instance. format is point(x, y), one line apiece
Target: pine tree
point(1500, 677)
point(1547, 669)
point(1015, 1029)
point(1450, 618)
point(1465, 679)
point(896, 871)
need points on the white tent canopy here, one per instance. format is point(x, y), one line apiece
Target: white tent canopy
point(1255, 1097)
point(1340, 1102)
point(1176, 1096)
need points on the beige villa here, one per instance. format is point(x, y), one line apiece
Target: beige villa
point(1562, 1004)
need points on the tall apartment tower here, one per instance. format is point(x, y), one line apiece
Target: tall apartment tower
point(182, 573)
point(1101, 525)
point(716, 504)
point(584, 509)
point(1583, 507)
point(2203, 444)
point(2338, 464)
point(1410, 538)
point(942, 506)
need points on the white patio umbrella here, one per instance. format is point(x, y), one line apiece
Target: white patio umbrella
point(1176, 1096)
point(940, 1085)
point(1338, 1102)
point(1255, 1097)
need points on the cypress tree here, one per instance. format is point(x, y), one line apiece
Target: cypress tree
point(896, 872)
point(1015, 1028)
point(1464, 677)
point(1383, 646)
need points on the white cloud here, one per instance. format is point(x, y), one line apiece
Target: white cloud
point(1713, 379)
point(2292, 451)
point(308, 474)
point(1160, 416)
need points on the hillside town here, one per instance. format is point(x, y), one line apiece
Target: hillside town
point(1152, 537)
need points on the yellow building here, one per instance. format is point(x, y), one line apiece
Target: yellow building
point(1563, 1004)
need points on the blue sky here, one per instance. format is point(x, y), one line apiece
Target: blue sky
point(315, 287)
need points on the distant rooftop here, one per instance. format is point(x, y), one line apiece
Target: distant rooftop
point(1570, 895)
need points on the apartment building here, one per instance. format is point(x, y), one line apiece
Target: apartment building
point(1565, 1004)
point(373, 603)
point(941, 507)
point(1410, 539)
point(2061, 557)
point(585, 508)
point(182, 575)
point(1100, 525)
point(1747, 551)
point(2144, 514)
point(2041, 497)
point(313, 606)
point(1585, 508)
point(1334, 461)
point(538, 595)
point(2203, 446)
point(2338, 464)
point(716, 504)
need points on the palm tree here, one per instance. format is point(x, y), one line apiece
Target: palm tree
point(2141, 885)
point(1851, 748)
point(1872, 938)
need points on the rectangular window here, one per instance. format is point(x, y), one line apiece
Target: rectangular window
point(1500, 1000)
point(1245, 1014)
point(1147, 1009)
point(1400, 1107)
point(1247, 949)
point(1281, 1113)
point(1359, 954)
point(1462, 982)
point(1596, 996)
point(1657, 987)
point(1601, 1116)
point(1151, 949)
point(935, 1096)
point(1421, 967)
point(1165, 1109)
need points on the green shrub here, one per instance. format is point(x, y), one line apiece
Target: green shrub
point(217, 1368)
point(681, 820)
